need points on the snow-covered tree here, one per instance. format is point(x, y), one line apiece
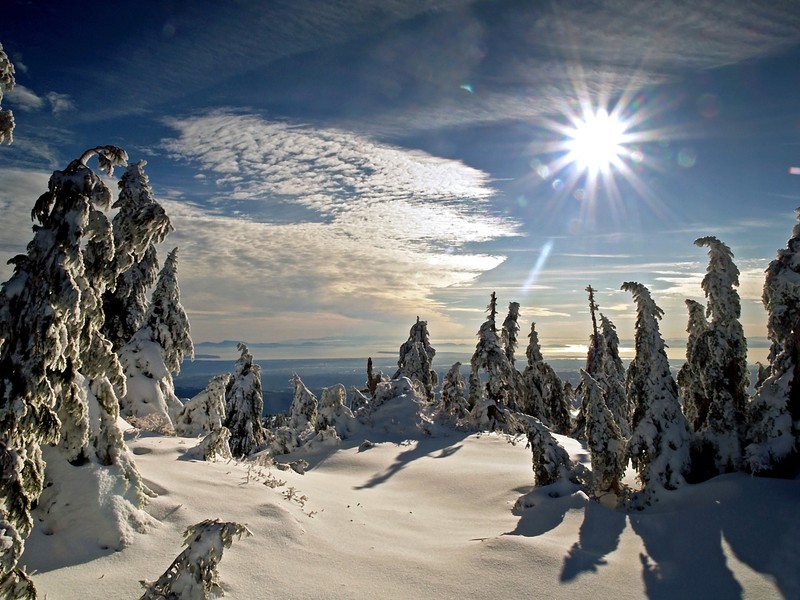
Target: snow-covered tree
point(451, 399)
point(57, 372)
point(614, 377)
point(333, 413)
point(156, 350)
point(595, 359)
point(244, 405)
point(416, 358)
point(659, 444)
point(303, 411)
point(510, 332)
point(193, 574)
point(774, 415)
point(605, 440)
point(721, 353)
point(7, 82)
point(205, 412)
point(166, 318)
point(214, 446)
point(150, 389)
point(139, 224)
point(543, 392)
point(490, 358)
point(690, 376)
point(551, 462)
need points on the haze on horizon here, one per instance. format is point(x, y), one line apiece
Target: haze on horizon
point(334, 173)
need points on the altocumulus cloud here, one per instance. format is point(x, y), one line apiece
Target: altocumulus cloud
point(379, 229)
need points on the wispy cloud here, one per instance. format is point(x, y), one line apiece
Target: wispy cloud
point(378, 229)
point(26, 100)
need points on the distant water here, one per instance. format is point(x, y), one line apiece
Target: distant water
point(320, 373)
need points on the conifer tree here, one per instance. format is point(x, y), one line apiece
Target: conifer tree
point(774, 414)
point(614, 378)
point(193, 574)
point(659, 444)
point(166, 318)
point(551, 462)
point(490, 358)
point(451, 400)
point(721, 352)
point(303, 411)
point(7, 83)
point(416, 359)
point(595, 359)
point(205, 412)
point(510, 331)
point(544, 394)
point(690, 376)
point(156, 350)
point(244, 405)
point(332, 412)
point(54, 362)
point(139, 224)
point(605, 440)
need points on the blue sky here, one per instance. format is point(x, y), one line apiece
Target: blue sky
point(334, 169)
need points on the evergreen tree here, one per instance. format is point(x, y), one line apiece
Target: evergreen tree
point(139, 224)
point(722, 354)
point(490, 358)
point(690, 376)
point(451, 400)
point(166, 318)
point(303, 411)
point(605, 440)
point(659, 444)
point(205, 412)
point(614, 378)
point(595, 359)
point(543, 392)
point(508, 339)
point(193, 574)
point(332, 412)
point(7, 83)
point(416, 359)
point(551, 463)
point(774, 416)
point(55, 367)
point(244, 405)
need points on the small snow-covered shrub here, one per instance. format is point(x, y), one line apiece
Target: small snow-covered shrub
point(206, 411)
point(213, 447)
point(193, 574)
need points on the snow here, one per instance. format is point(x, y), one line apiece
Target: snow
point(432, 516)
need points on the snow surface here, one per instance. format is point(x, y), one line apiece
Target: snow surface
point(432, 516)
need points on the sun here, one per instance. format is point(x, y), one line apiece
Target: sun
point(596, 141)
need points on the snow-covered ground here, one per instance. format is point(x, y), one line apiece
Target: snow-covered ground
point(432, 516)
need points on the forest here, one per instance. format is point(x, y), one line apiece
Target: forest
point(92, 330)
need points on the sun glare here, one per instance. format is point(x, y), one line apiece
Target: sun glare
point(596, 142)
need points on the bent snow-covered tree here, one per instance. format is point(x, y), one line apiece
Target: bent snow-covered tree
point(193, 574)
point(721, 354)
point(690, 376)
point(139, 224)
point(7, 82)
point(659, 444)
point(57, 372)
point(605, 440)
point(205, 412)
point(244, 405)
point(774, 415)
point(543, 392)
point(416, 359)
point(157, 350)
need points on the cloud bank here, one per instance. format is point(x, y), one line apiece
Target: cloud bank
point(366, 232)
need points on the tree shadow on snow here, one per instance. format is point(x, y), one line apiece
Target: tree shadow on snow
point(433, 447)
point(544, 508)
point(599, 536)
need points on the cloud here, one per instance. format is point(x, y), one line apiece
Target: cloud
point(365, 231)
point(59, 103)
point(24, 99)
